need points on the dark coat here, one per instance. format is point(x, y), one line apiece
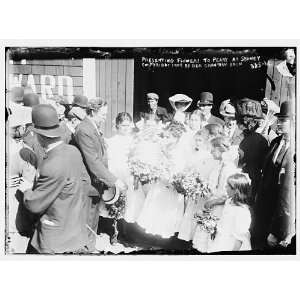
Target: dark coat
point(161, 115)
point(275, 202)
point(93, 149)
point(59, 196)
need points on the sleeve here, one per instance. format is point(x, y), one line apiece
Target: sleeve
point(45, 190)
point(93, 159)
point(242, 224)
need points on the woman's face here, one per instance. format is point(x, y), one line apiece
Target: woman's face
point(125, 127)
point(229, 190)
point(195, 122)
point(199, 142)
point(216, 153)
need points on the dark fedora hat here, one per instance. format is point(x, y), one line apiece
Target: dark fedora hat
point(45, 121)
point(31, 99)
point(206, 99)
point(246, 107)
point(81, 101)
point(285, 110)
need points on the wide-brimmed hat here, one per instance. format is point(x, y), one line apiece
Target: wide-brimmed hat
point(45, 121)
point(152, 96)
point(111, 195)
point(180, 98)
point(249, 108)
point(31, 99)
point(77, 112)
point(285, 110)
point(227, 109)
point(206, 99)
point(81, 101)
point(96, 103)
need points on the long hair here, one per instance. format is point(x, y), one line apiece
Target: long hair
point(241, 184)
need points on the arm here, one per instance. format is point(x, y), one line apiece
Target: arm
point(45, 191)
point(93, 159)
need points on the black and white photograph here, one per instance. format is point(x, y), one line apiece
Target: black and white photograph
point(136, 151)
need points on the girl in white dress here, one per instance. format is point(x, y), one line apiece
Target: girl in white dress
point(233, 228)
point(226, 158)
point(164, 207)
point(199, 159)
point(118, 150)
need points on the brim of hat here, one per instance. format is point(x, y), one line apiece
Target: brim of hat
point(113, 199)
point(204, 104)
point(51, 133)
point(227, 115)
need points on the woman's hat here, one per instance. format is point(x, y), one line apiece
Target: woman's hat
point(249, 108)
point(45, 121)
point(77, 112)
point(180, 98)
point(111, 195)
point(96, 103)
point(206, 99)
point(227, 109)
point(285, 110)
point(81, 101)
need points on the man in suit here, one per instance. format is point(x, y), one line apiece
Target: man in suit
point(153, 112)
point(231, 130)
point(92, 146)
point(275, 203)
point(205, 105)
point(59, 193)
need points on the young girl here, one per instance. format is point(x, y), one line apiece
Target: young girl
point(118, 151)
point(233, 227)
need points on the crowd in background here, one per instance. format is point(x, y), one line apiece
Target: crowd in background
point(61, 169)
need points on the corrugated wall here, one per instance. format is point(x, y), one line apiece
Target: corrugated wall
point(114, 83)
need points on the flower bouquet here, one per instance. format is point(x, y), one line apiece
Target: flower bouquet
point(191, 185)
point(207, 222)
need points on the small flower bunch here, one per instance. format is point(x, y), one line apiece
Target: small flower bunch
point(116, 211)
point(145, 172)
point(191, 184)
point(207, 222)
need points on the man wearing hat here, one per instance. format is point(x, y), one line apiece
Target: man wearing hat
point(231, 130)
point(59, 193)
point(275, 203)
point(153, 111)
point(205, 105)
point(90, 141)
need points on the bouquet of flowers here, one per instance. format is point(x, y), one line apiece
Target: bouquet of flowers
point(207, 222)
point(191, 185)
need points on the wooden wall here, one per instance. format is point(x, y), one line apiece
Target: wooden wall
point(114, 83)
point(284, 86)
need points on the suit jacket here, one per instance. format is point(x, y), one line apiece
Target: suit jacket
point(59, 196)
point(93, 149)
point(276, 198)
point(161, 115)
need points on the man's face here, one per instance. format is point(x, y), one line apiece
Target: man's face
point(205, 109)
point(125, 127)
point(152, 103)
point(290, 56)
point(100, 115)
point(230, 122)
point(283, 126)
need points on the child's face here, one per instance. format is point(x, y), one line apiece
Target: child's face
point(199, 142)
point(125, 127)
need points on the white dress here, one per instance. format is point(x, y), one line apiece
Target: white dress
point(234, 225)
point(217, 181)
point(118, 148)
point(203, 162)
point(164, 207)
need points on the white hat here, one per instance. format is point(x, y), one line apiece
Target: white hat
point(227, 109)
point(180, 98)
point(20, 115)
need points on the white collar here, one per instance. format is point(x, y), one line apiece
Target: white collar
point(52, 146)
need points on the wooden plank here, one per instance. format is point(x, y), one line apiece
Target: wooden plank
point(114, 92)
point(129, 85)
point(277, 78)
point(270, 70)
point(101, 78)
point(121, 85)
point(97, 78)
point(283, 90)
point(108, 96)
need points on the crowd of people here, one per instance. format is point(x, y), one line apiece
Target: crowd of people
point(65, 176)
